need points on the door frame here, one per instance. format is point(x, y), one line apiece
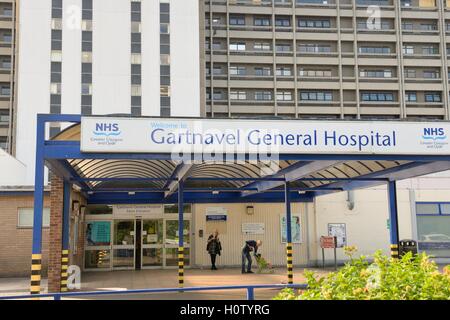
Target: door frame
point(163, 246)
point(125, 247)
point(129, 217)
point(152, 246)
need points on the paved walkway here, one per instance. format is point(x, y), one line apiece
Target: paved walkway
point(144, 279)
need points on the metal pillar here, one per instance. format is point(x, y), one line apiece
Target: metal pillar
point(65, 236)
point(180, 235)
point(393, 218)
point(36, 256)
point(290, 267)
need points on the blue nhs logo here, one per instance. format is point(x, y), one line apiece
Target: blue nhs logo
point(107, 129)
point(434, 134)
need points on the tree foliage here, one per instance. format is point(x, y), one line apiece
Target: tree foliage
point(413, 277)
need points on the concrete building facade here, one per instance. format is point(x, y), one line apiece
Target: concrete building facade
point(8, 53)
point(98, 57)
point(334, 59)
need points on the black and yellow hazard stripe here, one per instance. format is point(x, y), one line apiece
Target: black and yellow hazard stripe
point(64, 267)
point(36, 267)
point(181, 267)
point(290, 267)
point(394, 251)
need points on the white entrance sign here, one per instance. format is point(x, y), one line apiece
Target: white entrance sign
point(119, 210)
point(154, 135)
point(253, 228)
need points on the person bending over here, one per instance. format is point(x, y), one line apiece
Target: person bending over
point(249, 246)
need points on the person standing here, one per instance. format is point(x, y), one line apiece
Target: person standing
point(249, 246)
point(214, 247)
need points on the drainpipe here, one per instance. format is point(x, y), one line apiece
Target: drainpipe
point(350, 200)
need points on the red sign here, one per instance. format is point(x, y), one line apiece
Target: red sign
point(328, 242)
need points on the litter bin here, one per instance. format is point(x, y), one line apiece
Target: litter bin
point(406, 246)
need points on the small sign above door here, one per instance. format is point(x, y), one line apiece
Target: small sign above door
point(140, 210)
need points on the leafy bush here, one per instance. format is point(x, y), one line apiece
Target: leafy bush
point(409, 278)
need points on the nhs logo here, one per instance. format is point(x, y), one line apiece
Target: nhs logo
point(107, 129)
point(434, 134)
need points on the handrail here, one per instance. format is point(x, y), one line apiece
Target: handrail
point(250, 291)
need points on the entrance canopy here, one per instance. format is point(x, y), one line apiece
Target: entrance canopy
point(142, 160)
point(117, 160)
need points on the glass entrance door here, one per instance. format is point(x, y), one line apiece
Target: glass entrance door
point(152, 243)
point(123, 245)
point(160, 243)
point(171, 243)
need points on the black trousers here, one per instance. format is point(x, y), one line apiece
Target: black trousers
point(213, 260)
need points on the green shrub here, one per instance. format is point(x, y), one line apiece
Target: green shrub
point(409, 278)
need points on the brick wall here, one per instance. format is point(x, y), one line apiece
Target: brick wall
point(76, 258)
point(55, 236)
point(15, 242)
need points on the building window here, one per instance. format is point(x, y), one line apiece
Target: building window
point(375, 73)
point(263, 95)
point(261, 22)
point(284, 96)
point(238, 95)
point(261, 46)
point(430, 50)
point(374, 50)
point(5, 90)
point(26, 216)
point(410, 73)
point(237, 46)
point(433, 97)
point(315, 73)
point(408, 50)
point(283, 48)
point(314, 48)
point(237, 20)
point(282, 22)
point(316, 96)
point(284, 72)
point(4, 119)
point(411, 96)
point(263, 72)
point(314, 23)
point(431, 74)
point(433, 228)
point(377, 96)
point(238, 71)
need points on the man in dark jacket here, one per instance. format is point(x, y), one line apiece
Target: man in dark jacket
point(249, 246)
point(214, 247)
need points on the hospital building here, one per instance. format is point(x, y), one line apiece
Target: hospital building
point(375, 71)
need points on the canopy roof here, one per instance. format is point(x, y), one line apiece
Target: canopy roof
point(155, 177)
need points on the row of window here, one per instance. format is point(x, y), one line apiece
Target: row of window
point(56, 64)
point(324, 48)
point(431, 97)
point(285, 21)
point(280, 95)
point(86, 49)
point(136, 66)
point(279, 22)
point(286, 71)
point(165, 79)
point(403, 3)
